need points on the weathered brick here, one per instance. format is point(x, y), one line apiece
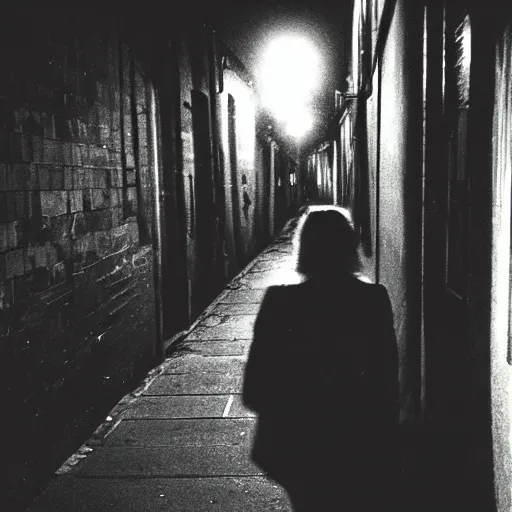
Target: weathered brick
point(67, 153)
point(116, 178)
point(76, 155)
point(14, 263)
point(115, 197)
point(89, 178)
point(3, 177)
point(10, 206)
point(56, 178)
point(87, 199)
point(48, 125)
point(53, 202)
point(20, 147)
point(84, 154)
point(131, 177)
point(79, 179)
point(117, 217)
point(100, 198)
point(31, 179)
point(98, 156)
point(3, 207)
point(22, 206)
point(76, 201)
point(8, 236)
point(132, 206)
point(53, 152)
point(44, 177)
point(98, 220)
point(68, 178)
point(38, 148)
point(34, 200)
point(114, 157)
point(99, 178)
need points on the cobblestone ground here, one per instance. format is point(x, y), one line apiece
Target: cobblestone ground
point(182, 440)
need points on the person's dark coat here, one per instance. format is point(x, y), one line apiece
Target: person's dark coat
point(322, 375)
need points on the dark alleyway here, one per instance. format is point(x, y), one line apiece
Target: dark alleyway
point(181, 441)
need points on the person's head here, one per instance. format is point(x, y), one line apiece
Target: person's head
point(327, 244)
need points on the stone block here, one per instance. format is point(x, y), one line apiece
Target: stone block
point(87, 199)
point(44, 177)
point(79, 178)
point(31, 178)
point(3, 177)
point(131, 177)
point(22, 206)
point(14, 177)
point(53, 152)
point(8, 236)
point(67, 153)
point(76, 155)
point(98, 156)
point(99, 178)
point(14, 263)
point(56, 178)
point(132, 202)
point(76, 201)
point(68, 178)
point(84, 154)
point(100, 220)
point(48, 121)
point(115, 197)
point(53, 202)
point(117, 217)
point(116, 178)
point(38, 149)
point(3, 207)
point(10, 206)
point(20, 147)
point(100, 198)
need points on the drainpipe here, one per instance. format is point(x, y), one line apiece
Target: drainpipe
point(272, 191)
point(158, 222)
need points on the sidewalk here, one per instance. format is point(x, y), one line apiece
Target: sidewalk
point(182, 440)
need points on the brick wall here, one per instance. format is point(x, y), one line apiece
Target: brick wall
point(76, 278)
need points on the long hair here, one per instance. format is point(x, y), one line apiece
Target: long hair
point(327, 244)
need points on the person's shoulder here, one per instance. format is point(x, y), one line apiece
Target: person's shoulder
point(367, 286)
point(281, 290)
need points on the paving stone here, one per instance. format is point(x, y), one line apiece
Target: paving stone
point(236, 309)
point(263, 280)
point(182, 432)
point(196, 406)
point(168, 461)
point(233, 365)
point(242, 297)
point(195, 384)
point(227, 327)
point(218, 494)
point(219, 347)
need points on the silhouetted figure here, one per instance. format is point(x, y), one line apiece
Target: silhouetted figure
point(322, 375)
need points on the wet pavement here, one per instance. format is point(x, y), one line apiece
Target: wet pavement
point(182, 440)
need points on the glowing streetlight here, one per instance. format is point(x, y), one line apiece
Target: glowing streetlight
point(289, 76)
